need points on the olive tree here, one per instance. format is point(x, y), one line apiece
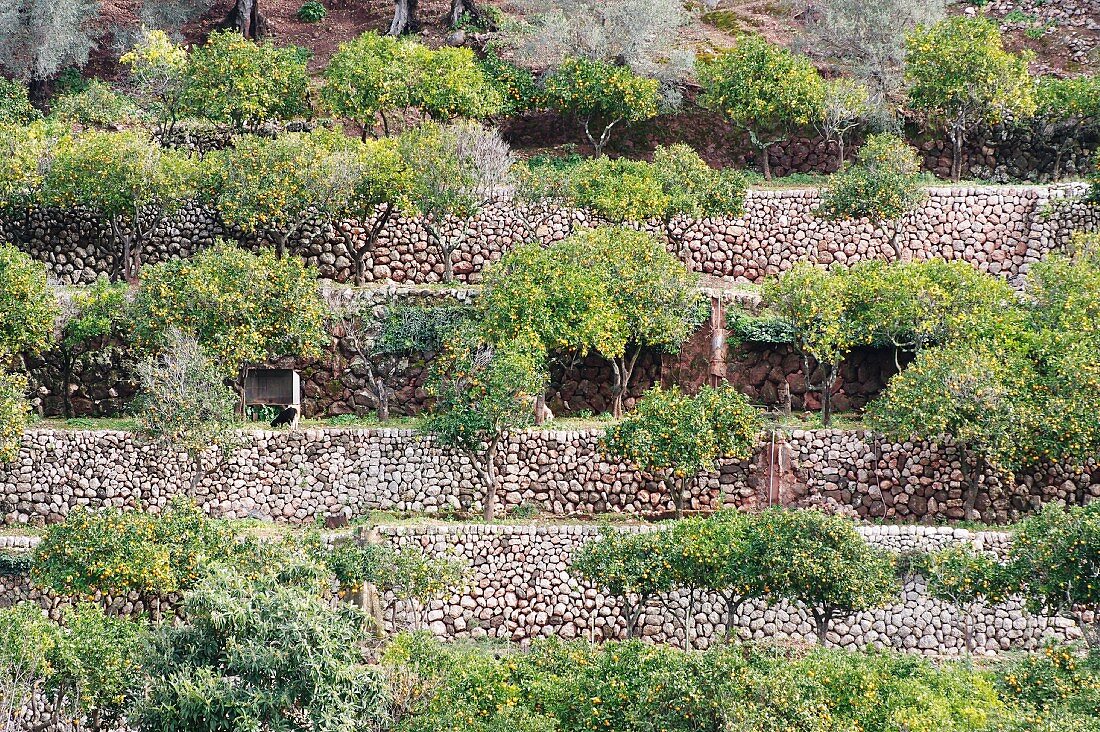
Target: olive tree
point(882, 185)
point(39, 38)
point(185, 403)
point(823, 564)
point(673, 436)
point(127, 179)
point(458, 170)
point(258, 652)
point(482, 392)
point(763, 89)
point(866, 40)
point(961, 77)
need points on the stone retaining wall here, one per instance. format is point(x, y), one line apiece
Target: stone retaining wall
point(999, 229)
point(519, 588)
point(335, 474)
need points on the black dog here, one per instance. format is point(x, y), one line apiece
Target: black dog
point(286, 417)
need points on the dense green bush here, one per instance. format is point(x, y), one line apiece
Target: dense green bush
point(15, 414)
point(98, 105)
point(204, 296)
point(15, 104)
point(311, 12)
point(28, 306)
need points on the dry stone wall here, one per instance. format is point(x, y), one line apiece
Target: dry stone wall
point(335, 475)
point(519, 588)
point(1000, 229)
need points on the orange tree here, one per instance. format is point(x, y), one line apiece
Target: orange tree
point(482, 392)
point(763, 89)
point(673, 436)
point(601, 95)
point(113, 552)
point(882, 185)
point(961, 79)
point(822, 563)
point(1056, 557)
point(127, 179)
point(967, 579)
point(627, 565)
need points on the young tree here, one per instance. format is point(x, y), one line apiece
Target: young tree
point(275, 187)
point(822, 563)
point(601, 95)
point(844, 108)
point(481, 394)
point(882, 185)
point(14, 414)
point(1056, 558)
point(458, 170)
point(656, 298)
point(127, 179)
point(815, 303)
point(158, 77)
point(763, 89)
point(185, 403)
point(258, 652)
point(27, 641)
point(90, 320)
point(629, 566)
point(24, 152)
point(230, 79)
point(1066, 110)
point(968, 580)
point(39, 38)
point(867, 41)
point(375, 77)
point(673, 437)
point(961, 77)
point(979, 394)
point(203, 297)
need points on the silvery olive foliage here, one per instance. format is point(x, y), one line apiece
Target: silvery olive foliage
point(39, 38)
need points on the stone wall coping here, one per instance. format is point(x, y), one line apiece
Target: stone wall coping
point(23, 542)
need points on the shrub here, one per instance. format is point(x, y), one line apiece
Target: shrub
point(28, 307)
point(969, 581)
point(673, 436)
point(15, 104)
point(311, 12)
point(158, 77)
point(202, 296)
point(96, 106)
point(518, 87)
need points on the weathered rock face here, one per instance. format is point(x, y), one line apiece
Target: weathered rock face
point(1000, 230)
point(304, 475)
point(520, 588)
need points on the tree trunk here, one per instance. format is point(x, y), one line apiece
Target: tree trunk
point(404, 18)
point(280, 245)
point(372, 241)
point(840, 152)
point(689, 619)
point(957, 139)
point(246, 19)
point(383, 402)
point(540, 408)
point(827, 395)
point(68, 362)
point(733, 605)
point(976, 471)
point(488, 474)
point(470, 9)
point(675, 490)
point(622, 367)
point(821, 625)
point(38, 91)
point(765, 162)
